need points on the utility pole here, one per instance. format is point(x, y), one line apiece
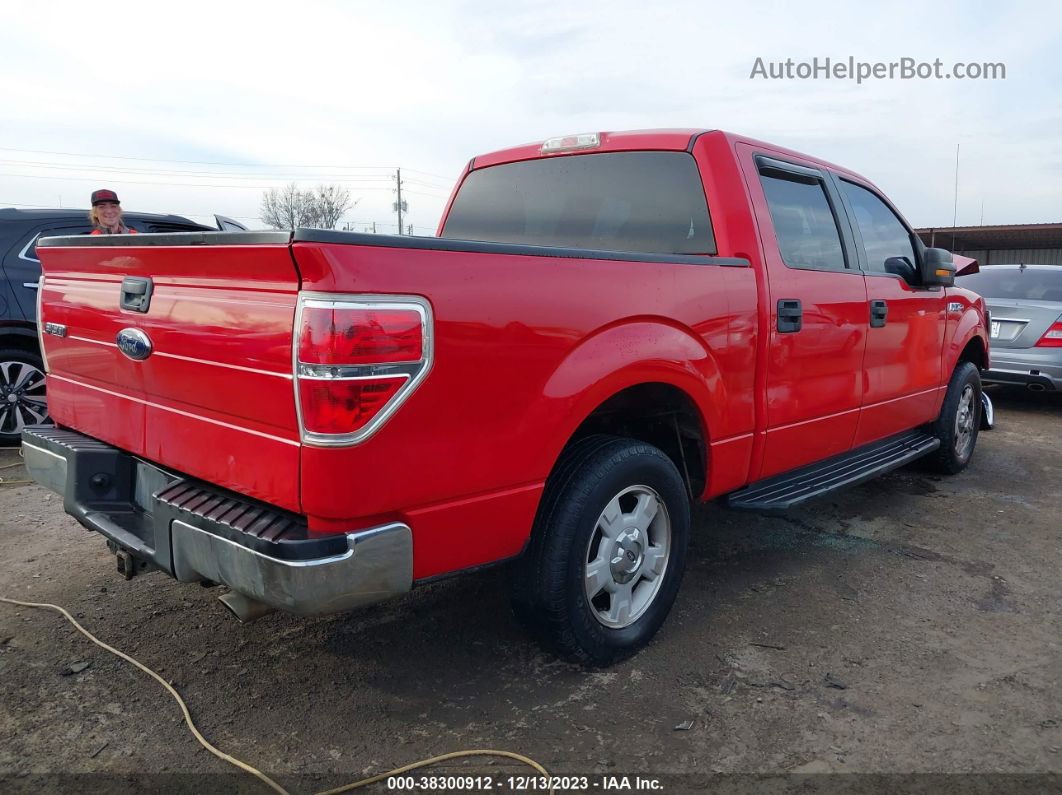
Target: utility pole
point(955, 208)
point(399, 206)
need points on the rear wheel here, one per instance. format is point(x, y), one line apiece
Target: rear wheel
point(959, 421)
point(608, 551)
point(22, 398)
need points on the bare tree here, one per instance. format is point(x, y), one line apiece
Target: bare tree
point(288, 207)
point(331, 201)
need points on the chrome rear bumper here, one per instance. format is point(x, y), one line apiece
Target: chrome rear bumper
point(195, 532)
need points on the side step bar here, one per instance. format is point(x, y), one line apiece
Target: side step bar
point(784, 491)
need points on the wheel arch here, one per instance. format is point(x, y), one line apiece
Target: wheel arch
point(638, 379)
point(660, 414)
point(23, 337)
point(974, 351)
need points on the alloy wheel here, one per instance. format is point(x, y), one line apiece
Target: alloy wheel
point(627, 556)
point(22, 396)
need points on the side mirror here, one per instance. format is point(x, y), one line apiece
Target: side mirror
point(938, 268)
point(902, 267)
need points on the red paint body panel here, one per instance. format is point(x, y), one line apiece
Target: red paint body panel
point(215, 399)
point(515, 375)
point(525, 348)
point(813, 391)
point(902, 374)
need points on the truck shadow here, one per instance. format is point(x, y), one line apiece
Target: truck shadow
point(1022, 401)
point(454, 643)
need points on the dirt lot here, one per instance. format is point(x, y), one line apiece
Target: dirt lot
point(912, 624)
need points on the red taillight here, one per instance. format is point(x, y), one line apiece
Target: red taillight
point(357, 359)
point(339, 407)
point(345, 336)
point(1052, 338)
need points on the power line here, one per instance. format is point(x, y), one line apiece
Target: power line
point(420, 193)
point(220, 163)
point(428, 185)
point(430, 174)
point(185, 172)
point(177, 184)
point(186, 213)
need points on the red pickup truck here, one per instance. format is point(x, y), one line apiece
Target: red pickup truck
point(606, 327)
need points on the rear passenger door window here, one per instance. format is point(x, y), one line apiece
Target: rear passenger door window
point(884, 234)
point(803, 218)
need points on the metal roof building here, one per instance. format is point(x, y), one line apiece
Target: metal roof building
point(1032, 244)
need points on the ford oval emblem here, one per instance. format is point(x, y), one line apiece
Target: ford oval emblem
point(134, 343)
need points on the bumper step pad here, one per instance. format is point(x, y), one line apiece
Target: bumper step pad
point(243, 516)
point(789, 489)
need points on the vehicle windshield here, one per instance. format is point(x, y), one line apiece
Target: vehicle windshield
point(650, 202)
point(1020, 284)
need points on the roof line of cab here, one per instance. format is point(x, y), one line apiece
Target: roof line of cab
point(674, 140)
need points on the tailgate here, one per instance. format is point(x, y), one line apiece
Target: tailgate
point(202, 380)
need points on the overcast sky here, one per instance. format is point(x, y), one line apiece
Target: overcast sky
point(212, 102)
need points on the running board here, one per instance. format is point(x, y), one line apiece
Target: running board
point(784, 491)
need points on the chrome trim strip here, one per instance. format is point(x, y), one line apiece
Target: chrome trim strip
point(94, 342)
point(325, 372)
point(188, 414)
point(285, 376)
point(255, 370)
point(377, 565)
point(416, 372)
point(40, 325)
point(25, 250)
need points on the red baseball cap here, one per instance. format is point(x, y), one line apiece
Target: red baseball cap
point(104, 195)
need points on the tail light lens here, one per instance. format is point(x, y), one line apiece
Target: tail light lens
point(357, 359)
point(1052, 338)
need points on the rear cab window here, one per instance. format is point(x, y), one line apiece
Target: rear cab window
point(649, 202)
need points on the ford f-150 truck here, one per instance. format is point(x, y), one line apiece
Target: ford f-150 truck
point(606, 328)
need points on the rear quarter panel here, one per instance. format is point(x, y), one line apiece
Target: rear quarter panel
point(525, 348)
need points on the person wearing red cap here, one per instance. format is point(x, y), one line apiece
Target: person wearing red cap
point(106, 214)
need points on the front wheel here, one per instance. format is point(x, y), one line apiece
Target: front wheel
point(608, 550)
point(959, 421)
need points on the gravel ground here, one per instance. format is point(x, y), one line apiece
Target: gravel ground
point(911, 625)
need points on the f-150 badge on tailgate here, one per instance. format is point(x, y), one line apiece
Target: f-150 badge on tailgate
point(134, 343)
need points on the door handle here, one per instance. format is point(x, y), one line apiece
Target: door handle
point(136, 293)
point(790, 315)
point(879, 313)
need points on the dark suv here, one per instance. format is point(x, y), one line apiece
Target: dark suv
point(22, 397)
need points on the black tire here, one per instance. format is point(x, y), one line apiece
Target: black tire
point(959, 421)
point(638, 568)
point(22, 396)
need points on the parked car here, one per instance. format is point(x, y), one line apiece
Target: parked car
point(22, 388)
point(1025, 304)
point(607, 327)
